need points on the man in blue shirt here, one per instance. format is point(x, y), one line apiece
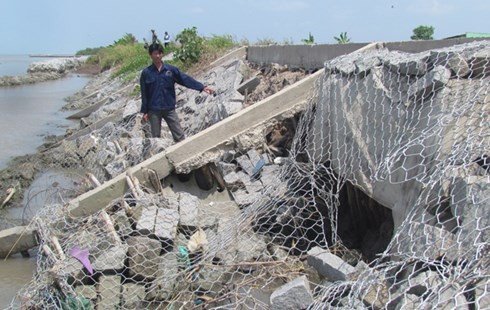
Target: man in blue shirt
point(157, 84)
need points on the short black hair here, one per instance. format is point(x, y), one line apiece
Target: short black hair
point(155, 47)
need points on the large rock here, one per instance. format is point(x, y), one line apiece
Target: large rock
point(293, 295)
point(329, 265)
point(109, 292)
point(162, 288)
point(143, 257)
point(424, 241)
point(470, 205)
point(111, 259)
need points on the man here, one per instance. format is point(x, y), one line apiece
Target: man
point(157, 84)
point(166, 39)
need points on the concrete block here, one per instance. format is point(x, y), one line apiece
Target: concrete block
point(244, 198)
point(112, 258)
point(146, 223)
point(188, 209)
point(293, 295)
point(234, 180)
point(249, 85)
point(162, 288)
point(16, 239)
point(122, 223)
point(166, 224)
point(143, 257)
point(329, 265)
point(132, 295)
point(246, 164)
point(108, 292)
point(225, 168)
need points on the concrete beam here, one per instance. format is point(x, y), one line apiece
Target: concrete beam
point(189, 153)
point(16, 239)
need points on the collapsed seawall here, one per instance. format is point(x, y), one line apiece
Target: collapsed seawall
point(408, 130)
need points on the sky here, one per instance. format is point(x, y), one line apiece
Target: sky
point(66, 26)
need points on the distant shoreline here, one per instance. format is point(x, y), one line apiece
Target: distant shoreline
point(52, 55)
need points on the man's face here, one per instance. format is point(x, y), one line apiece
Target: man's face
point(156, 56)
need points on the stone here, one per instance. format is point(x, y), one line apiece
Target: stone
point(406, 64)
point(210, 280)
point(244, 198)
point(89, 292)
point(122, 223)
point(270, 179)
point(423, 282)
point(162, 288)
point(458, 65)
point(143, 256)
point(415, 239)
point(329, 265)
point(449, 297)
point(251, 247)
point(409, 302)
point(470, 206)
point(225, 168)
point(108, 292)
point(482, 295)
point(432, 82)
point(249, 85)
point(116, 167)
point(293, 295)
point(235, 180)
point(377, 294)
point(479, 64)
point(246, 164)
point(86, 144)
point(132, 295)
point(111, 259)
point(146, 223)
point(166, 224)
point(188, 210)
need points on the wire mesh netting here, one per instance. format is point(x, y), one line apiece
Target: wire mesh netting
point(375, 197)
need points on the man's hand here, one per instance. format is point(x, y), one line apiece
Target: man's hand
point(145, 117)
point(208, 90)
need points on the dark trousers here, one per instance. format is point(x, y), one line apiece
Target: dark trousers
point(173, 122)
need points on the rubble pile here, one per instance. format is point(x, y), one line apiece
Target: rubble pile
point(260, 228)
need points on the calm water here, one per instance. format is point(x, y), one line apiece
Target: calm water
point(28, 113)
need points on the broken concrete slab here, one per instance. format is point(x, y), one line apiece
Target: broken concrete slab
point(293, 295)
point(16, 239)
point(329, 265)
point(249, 85)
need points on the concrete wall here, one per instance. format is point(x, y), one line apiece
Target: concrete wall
point(309, 57)
point(312, 57)
point(422, 45)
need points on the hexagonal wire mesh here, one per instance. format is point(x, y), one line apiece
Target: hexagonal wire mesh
point(377, 198)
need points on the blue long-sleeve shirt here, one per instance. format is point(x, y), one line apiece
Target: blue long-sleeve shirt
point(158, 88)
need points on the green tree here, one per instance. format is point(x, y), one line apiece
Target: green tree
point(342, 38)
point(310, 40)
point(191, 46)
point(423, 33)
